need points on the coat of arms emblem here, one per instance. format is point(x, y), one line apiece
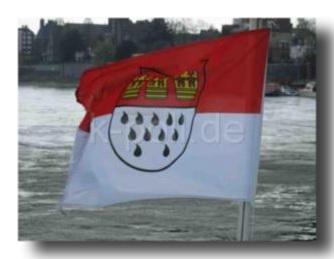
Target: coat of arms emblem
point(152, 122)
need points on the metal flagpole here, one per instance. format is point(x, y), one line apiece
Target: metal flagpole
point(246, 210)
point(245, 223)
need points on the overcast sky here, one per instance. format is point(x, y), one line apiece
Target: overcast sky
point(33, 23)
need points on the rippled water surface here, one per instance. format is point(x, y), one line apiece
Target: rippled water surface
point(284, 206)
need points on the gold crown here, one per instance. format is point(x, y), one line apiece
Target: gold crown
point(157, 88)
point(186, 85)
point(132, 90)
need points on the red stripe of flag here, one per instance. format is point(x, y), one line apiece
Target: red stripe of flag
point(232, 79)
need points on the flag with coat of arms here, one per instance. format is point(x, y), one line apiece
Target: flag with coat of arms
point(183, 122)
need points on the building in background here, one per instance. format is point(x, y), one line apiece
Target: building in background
point(280, 40)
point(72, 47)
point(25, 40)
point(60, 42)
point(281, 31)
point(55, 38)
point(47, 41)
point(119, 29)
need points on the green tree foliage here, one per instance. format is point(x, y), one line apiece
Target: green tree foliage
point(306, 24)
point(187, 30)
point(102, 53)
point(160, 30)
point(162, 36)
point(305, 30)
point(153, 35)
point(36, 53)
point(59, 42)
point(125, 50)
point(71, 42)
point(27, 59)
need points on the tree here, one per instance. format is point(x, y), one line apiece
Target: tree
point(306, 24)
point(187, 30)
point(181, 26)
point(305, 30)
point(88, 21)
point(25, 59)
point(187, 25)
point(102, 53)
point(160, 30)
point(71, 42)
point(152, 35)
point(36, 51)
point(125, 50)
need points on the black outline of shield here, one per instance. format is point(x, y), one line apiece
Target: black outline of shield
point(191, 126)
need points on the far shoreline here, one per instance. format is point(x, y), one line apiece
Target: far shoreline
point(50, 82)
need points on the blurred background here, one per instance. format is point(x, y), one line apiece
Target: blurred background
point(52, 49)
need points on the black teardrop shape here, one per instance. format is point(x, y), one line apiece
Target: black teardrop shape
point(137, 151)
point(181, 119)
point(147, 135)
point(139, 118)
point(175, 135)
point(166, 151)
point(124, 118)
point(155, 119)
point(169, 120)
point(162, 135)
point(132, 134)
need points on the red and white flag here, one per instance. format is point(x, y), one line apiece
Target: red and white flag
point(176, 123)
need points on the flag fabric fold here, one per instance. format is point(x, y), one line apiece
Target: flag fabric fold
point(183, 122)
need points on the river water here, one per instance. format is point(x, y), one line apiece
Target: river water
point(284, 206)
